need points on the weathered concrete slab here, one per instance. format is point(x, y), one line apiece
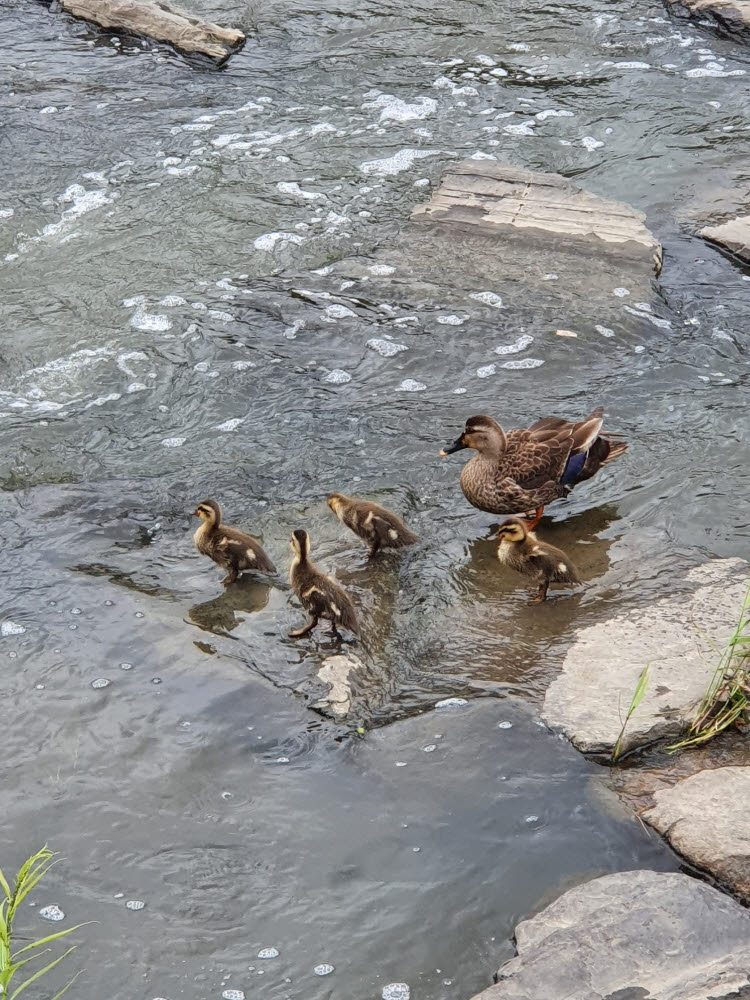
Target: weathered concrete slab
point(590, 697)
point(628, 937)
point(705, 818)
point(733, 15)
point(735, 234)
point(160, 22)
point(504, 201)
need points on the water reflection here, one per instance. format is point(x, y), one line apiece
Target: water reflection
point(248, 594)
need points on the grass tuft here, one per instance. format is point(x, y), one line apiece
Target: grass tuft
point(29, 875)
point(640, 690)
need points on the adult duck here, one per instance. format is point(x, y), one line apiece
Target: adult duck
point(523, 470)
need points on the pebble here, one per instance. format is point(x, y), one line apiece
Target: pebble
point(51, 912)
point(323, 970)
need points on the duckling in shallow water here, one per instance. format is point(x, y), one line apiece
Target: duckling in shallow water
point(520, 549)
point(229, 548)
point(380, 528)
point(319, 595)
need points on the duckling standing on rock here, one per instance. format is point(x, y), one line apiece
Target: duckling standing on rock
point(229, 548)
point(520, 549)
point(524, 470)
point(319, 595)
point(380, 528)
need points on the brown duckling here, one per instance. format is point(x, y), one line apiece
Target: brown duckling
point(380, 528)
point(229, 548)
point(520, 549)
point(319, 595)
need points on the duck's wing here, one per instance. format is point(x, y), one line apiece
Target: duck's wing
point(535, 457)
point(244, 548)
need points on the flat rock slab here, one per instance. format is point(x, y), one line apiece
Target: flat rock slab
point(733, 15)
point(505, 201)
point(600, 672)
point(631, 936)
point(160, 22)
point(705, 819)
point(734, 235)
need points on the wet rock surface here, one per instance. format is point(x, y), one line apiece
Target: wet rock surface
point(588, 700)
point(704, 817)
point(631, 936)
point(735, 234)
point(509, 202)
point(732, 15)
point(160, 22)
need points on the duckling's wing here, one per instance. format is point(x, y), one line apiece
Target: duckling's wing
point(245, 549)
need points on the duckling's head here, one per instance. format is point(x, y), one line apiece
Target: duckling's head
point(482, 433)
point(300, 542)
point(209, 512)
point(513, 530)
point(336, 501)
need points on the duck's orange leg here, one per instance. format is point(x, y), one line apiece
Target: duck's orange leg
point(534, 518)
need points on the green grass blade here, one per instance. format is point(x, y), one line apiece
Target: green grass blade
point(41, 972)
point(51, 937)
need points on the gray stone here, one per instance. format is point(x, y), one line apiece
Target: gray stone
point(631, 936)
point(734, 15)
point(160, 22)
point(335, 673)
point(705, 819)
point(734, 235)
point(506, 201)
point(590, 697)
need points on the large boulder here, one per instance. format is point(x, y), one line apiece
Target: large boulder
point(732, 15)
point(705, 818)
point(590, 697)
point(160, 22)
point(631, 936)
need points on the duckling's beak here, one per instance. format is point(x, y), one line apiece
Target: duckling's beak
point(457, 445)
point(193, 513)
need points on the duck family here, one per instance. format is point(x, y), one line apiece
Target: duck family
point(518, 472)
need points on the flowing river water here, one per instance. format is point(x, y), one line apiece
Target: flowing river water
point(192, 263)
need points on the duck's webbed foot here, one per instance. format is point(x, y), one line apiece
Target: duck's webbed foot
point(541, 594)
point(297, 633)
point(534, 517)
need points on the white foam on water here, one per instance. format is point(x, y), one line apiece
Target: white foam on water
point(323, 969)
point(135, 904)
point(518, 345)
point(479, 155)
point(335, 312)
point(381, 269)
point(451, 320)
point(267, 953)
point(505, 725)
point(397, 991)
point(269, 240)
point(101, 400)
point(526, 363)
point(551, 113)
point(49, 110)
point(451, 703)
point(338, 376)
point(230, 425)
point(241, 366)
point(6, 213)
point(411, 385)
point(396, 164)
point(223, 317)
point(394, 109)
point(142, 320)
point(604, 331)
point(233, 995)
point(11, 628)
point(175, 442)
point(523, 128)
point(713, 69)
point(486, 370)
point(386, 348)
point(488, 298)
point(663, 324)
point(484, 60)
point(633, 65)
point(621, 292)
point(292, 188)
point(590, 143)
point(459, 392)
point(171, 301)
point(100, 682)
point(51, 912)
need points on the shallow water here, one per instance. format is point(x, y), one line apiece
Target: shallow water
point(199, 271)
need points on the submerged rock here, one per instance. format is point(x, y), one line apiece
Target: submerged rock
point(600, 672)
point(735, 234)
point(704, 817)
point(160, 22)
point(630, 936)
point(733, 15)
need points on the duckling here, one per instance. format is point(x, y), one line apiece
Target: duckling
point(229, 548)
point(520, 549)
point(380, 528)
point(527, 468)
point(319, 595)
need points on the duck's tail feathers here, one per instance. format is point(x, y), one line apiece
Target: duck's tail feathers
point(405, 537)
point(586, 432)
point(602, 451)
